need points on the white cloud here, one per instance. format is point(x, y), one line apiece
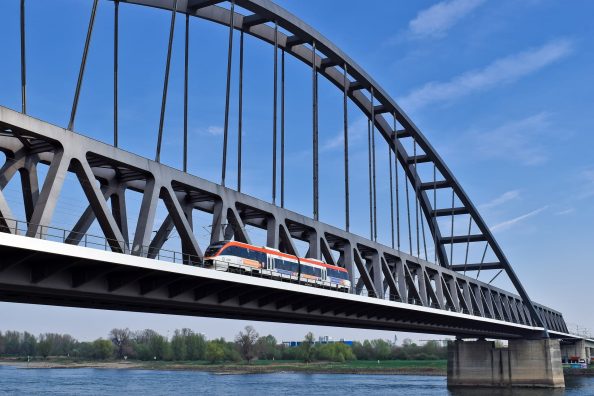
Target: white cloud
point(214, 130)
point(357, 131)
point(437, 19)
point(510, 223)
point(503, 70)
point(586, 180)
point(565, 212)
point(500, 200)
point(520, 141)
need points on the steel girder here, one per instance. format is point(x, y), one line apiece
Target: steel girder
point(105, 172)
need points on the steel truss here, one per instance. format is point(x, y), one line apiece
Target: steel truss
point(384, 272)
point(106, 172)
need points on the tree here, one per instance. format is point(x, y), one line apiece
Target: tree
point(102, 349)
point(266, 348)
point(336, 352)
point(122, 340)
point(83, 350)
point(214, 352)
point(2, 346)
point(306, 348)
point(12, 343)
point(29, 344)
point(44, 346)
point(178, 346)
point(381, 349)
point(246, 343)
point(195, 345)
point(151, 345)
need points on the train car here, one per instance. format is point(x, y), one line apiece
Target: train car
point(232, 256)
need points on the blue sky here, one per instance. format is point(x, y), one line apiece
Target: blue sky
point(503, 90)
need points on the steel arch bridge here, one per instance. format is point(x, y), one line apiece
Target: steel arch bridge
point(106, 172)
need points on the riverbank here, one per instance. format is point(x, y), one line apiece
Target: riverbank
point(409, 367)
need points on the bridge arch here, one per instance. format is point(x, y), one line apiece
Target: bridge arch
point(335, 65)
point(264, 20)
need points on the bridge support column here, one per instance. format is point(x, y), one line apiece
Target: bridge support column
point(575, 351)
point(524, 363)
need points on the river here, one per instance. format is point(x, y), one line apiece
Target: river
point(67, 382)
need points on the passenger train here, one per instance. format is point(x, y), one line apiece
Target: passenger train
point(241, 257)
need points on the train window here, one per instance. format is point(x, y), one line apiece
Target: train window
point(285, 265)
point(313, 271)
point(255, 255)
point(337, 274)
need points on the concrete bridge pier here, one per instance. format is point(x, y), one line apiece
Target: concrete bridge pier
point(524, 363)
point(577, 349)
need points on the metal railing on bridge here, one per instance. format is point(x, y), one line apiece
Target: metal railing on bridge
point(62, 235)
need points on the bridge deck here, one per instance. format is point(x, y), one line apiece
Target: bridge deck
point(46, 272)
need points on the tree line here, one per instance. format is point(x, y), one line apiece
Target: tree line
point(187, 345)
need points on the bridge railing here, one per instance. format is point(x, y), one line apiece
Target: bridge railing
point(62, 235)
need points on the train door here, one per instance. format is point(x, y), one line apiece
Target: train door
point(269, 262)
point(323, 274)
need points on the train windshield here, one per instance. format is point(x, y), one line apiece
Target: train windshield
point(213, 249)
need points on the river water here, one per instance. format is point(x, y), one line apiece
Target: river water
point(23, 381)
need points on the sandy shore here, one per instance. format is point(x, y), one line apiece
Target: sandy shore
point(224, 368)
point(36, 364)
